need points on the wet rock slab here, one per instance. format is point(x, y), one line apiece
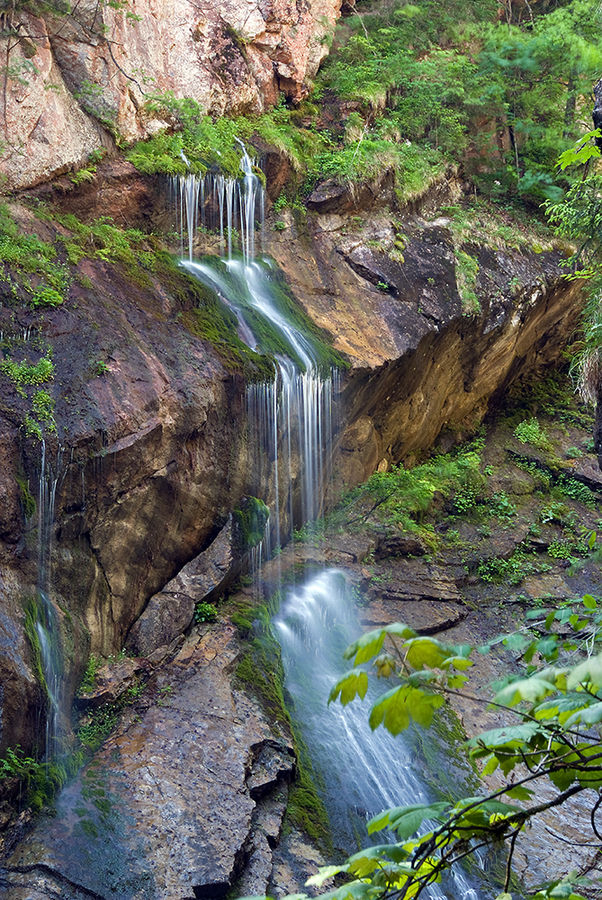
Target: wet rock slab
point(168, 807)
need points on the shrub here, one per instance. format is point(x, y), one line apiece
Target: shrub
point(205, 612)
point(529, 431)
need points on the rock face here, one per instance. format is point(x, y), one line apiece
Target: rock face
point(76, 79)
point(418, 362)
point(169, 613)
point(177, 802)
point(155, 425)
point(151, 417)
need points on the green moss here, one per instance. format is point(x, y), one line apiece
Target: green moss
point(250, 519)
point(446, 740)
point(28, 504)
point(271, 339)
point(32, 617)
point(260, 672)
point(206, 317)
point(467, 270)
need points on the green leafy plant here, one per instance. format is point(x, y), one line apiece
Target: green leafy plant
point(205, 612)
point(89, 677)
point(38, 781)
point(529, 431)
point(557, 710)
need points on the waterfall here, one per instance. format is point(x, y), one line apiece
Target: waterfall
point(235, 205)
point(290, 418)
point(363, 772)
point(291, 427)
point(46, 624)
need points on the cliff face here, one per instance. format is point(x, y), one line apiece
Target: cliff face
point(419, 363)
point(75, 81)
point(152, 424)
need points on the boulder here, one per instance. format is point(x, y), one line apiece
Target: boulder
point(171, 611)
point(173, 804)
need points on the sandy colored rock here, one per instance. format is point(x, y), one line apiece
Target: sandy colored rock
point(70, 88)
point(44, 131)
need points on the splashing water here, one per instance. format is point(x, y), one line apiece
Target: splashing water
point(363, 772)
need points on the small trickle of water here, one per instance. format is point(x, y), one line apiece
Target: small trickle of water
point(47, 625)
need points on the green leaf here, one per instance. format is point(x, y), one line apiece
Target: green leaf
point(530, 689)
point(458, 662)
point(369, 859)
point(406, 820)
point(520, 793)
point(395, 708)
point(392, 711)
point(490, 765)
point(562, 778)
point(508, 736)
point(425, 652)
point(323, 874)
point(588, 601)
point(353, 684)
point(367, 646)
point(590, 715)
point(589, 671)
point(398, 629)
point(581, 152)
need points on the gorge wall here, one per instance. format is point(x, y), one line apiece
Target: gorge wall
point(151, 419)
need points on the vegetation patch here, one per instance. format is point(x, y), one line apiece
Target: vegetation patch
point(97, 725)
point(250, 520)
point(259, 672)
point(37, 782)
point(204, 612)
point(403, 497)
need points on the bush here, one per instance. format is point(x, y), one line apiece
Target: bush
point(205, 612)
point(529, 431)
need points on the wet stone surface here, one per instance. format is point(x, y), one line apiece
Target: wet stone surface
point(166, 808)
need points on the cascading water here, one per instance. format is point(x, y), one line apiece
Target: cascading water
point(363, 772)
point(291, 429)
point(291, 418)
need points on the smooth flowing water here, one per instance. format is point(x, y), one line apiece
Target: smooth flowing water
point(363, 772)
point(46, 619)
point(291, 417)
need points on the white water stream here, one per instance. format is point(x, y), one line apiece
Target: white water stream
point(290, 418)
point(46, 624)
point(290, 439)
point(364, 772)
